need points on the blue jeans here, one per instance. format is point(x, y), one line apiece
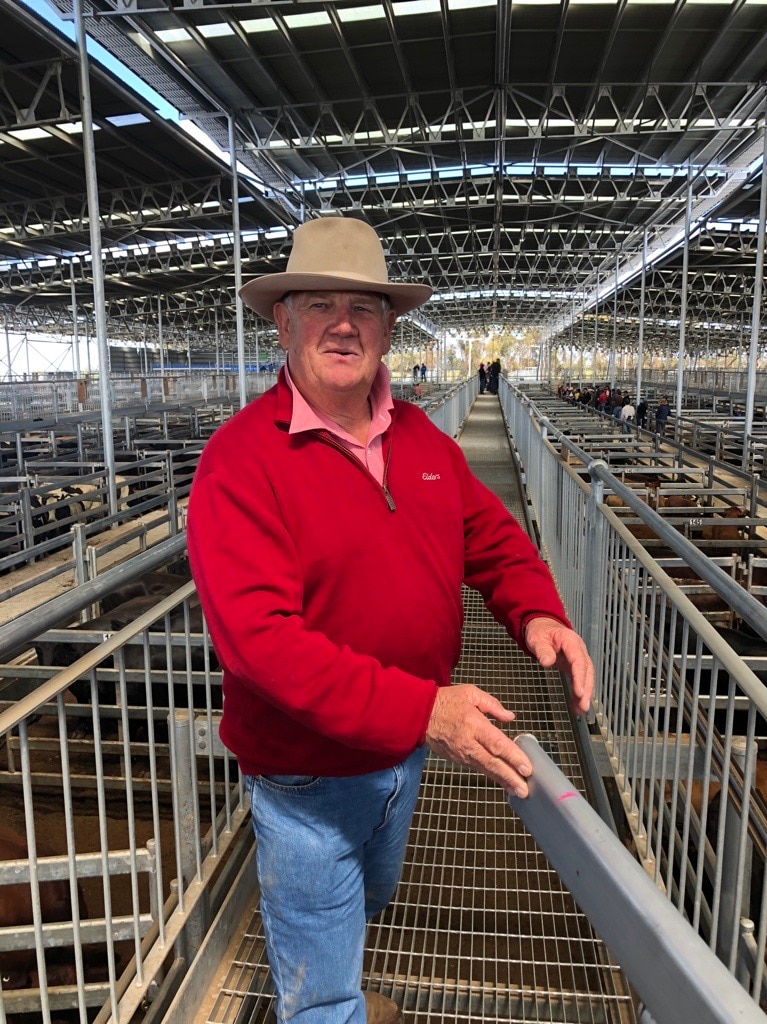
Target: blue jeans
point(329, 854)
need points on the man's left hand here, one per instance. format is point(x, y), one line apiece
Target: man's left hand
point(555, 645)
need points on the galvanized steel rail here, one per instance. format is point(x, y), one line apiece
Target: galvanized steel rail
point(677, 709)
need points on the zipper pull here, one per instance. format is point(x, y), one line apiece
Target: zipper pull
point(389, 499)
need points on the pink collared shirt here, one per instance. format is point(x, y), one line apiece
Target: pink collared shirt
point(306, 417)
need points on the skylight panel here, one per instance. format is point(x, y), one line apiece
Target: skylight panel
point(219, 29)
point(468, 5)
point(28, 134)
point(258, 25)
point(360, 13)
point(309, 20)
point(173, 35)
point(406, 7)
point(124, 120)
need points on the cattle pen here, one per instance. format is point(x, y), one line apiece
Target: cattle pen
point(135, 824)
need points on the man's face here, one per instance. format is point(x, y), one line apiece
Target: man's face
point(335, 341)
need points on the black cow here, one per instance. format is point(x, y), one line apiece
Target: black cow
point(157, 584)
point(62, 653)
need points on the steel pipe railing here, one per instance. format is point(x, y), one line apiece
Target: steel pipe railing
point(675, 974)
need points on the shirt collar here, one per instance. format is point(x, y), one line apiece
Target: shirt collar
point(306, 417)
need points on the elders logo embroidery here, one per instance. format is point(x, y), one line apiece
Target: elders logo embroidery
point(430, 476)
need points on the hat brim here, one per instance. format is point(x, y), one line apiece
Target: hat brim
point(262, 293)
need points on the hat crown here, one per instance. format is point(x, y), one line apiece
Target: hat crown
point(333, 254)
point(338, 245)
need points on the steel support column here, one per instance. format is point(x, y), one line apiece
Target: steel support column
point(614, 342)
point(596, 331)
point(237, 265)
point(683, 304)
point(756, 309)
point(642, 295)
point(159, 337)
point(8, 348)
point(75, 338)
point(94, 222)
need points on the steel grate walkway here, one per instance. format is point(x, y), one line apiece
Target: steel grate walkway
point(481, 928)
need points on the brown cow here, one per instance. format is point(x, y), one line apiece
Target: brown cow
point(725, 531)
point(19, 967)
point(676, 500)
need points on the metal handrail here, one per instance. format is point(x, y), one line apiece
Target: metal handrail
point(24, 629)
point(678, 978)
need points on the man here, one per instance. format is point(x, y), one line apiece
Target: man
point(662, 413)
point(628, 412)
point(337, 645)
point(642, 413)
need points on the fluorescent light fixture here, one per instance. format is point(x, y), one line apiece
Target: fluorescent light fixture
point(125, 120)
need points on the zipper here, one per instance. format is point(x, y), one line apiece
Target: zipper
point(387, 492)
point(328, 438)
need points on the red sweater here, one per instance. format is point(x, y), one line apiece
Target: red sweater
point(335, 616)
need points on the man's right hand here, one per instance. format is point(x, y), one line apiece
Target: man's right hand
point(459, 730)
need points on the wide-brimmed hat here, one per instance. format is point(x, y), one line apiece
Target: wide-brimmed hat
point(333, 254)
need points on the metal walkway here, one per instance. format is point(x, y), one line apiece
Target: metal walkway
point(481, 928)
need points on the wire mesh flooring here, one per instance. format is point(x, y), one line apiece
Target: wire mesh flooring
point(481, 928)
